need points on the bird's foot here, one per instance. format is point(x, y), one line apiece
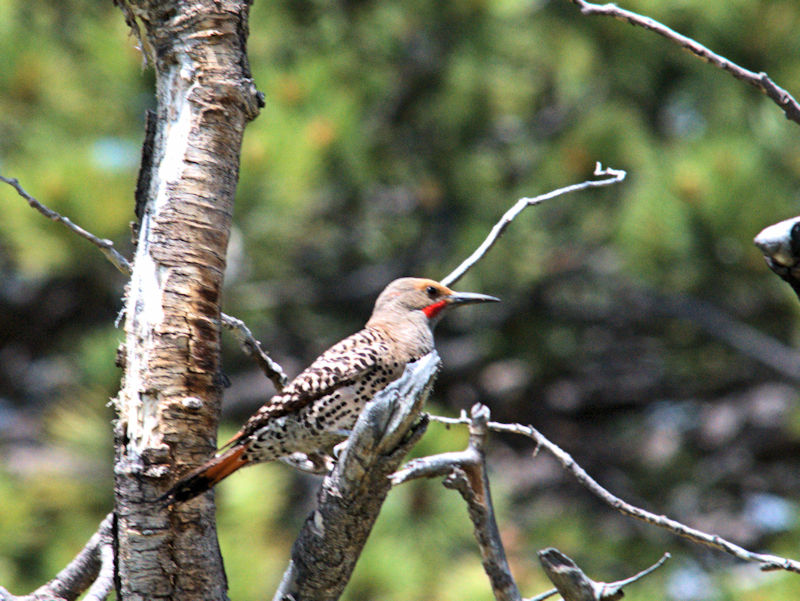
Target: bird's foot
point(339, 448)
point(312, 463)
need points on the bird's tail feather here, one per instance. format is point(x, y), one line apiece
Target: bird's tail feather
point(204, 477)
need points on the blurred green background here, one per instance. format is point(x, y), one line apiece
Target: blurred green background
point(394, 136)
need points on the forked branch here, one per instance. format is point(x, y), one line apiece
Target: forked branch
point(767, 561)
point(466, 472)
point(92, 569)
point(574, 585)
point(250, 345)
point(610, 177)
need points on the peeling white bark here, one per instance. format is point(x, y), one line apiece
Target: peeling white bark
point(178, 84)
point(169, 401)
point(146, 291)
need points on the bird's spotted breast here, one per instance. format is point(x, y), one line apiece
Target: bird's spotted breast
point(324, 422)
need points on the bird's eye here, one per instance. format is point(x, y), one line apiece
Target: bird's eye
point(432, 291)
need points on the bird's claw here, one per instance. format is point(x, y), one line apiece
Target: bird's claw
point(312, 463)
point(339, 448)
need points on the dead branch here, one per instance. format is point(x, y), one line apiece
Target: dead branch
point(351, 496)
point(106, 246)
point(612, 176)
point(249, 344)
point(760, 81)
point(92, 569)
point(613, 587)
point(466, 472)
point(544, 595)
point(574, 585)
point(769, 562)
point(252, 347)
point(104, 582)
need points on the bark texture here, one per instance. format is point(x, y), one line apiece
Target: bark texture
point(168, 405)
point(333, 536)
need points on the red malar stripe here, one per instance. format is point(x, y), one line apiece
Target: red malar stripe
point(433, 310)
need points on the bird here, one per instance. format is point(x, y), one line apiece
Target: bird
point(319, 408)
point(780, 245)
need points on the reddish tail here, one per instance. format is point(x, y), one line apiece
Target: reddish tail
point(204, 477)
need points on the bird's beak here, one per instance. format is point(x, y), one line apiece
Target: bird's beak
point(466, 298)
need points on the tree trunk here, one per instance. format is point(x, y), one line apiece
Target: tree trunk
point(168, 405)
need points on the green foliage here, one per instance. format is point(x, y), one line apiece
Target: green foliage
point(394, 135)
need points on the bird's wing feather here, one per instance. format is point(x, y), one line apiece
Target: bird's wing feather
point(338, 366)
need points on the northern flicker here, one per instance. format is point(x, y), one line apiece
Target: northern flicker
point(321, 405)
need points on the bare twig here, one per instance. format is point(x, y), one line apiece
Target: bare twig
point(433, 466)
point(613, 587)
point(761, 81)
point(252, 347)
point(241, 332)
point(104, 582)
point(574, 585)
point(105, 246)
point(92, 568)
point(466, 472)
point(612, 176)
point(769, 562)
point(544, 595)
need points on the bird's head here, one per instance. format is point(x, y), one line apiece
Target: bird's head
point(780, 245)
point(419, 296)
